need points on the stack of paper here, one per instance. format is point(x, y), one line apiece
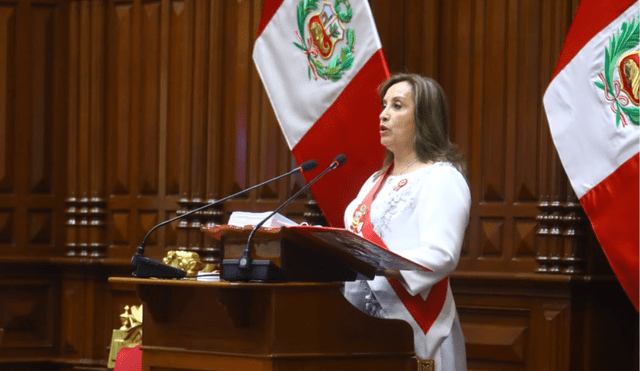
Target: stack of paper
point(243, 218)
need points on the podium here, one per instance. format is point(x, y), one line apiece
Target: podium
point(307, 253)
point(194, 325)
point(302, 322)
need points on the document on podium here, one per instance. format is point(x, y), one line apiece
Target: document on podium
point(242, 219)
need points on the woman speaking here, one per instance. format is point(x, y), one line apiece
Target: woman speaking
point(416, 205)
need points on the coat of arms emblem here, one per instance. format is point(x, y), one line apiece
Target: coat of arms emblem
point(620, 80)
point(326, 28)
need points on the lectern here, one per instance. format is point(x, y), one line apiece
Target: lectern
point(284, 326)
point(308, 253)
point(189, 325)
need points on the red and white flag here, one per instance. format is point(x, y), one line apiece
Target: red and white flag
point(321, 64)
point(592, 108)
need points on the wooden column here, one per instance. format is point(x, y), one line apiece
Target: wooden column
point(86, 150)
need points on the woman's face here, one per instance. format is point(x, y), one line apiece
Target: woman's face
point(397, 127)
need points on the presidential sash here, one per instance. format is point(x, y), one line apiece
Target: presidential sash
point(423, 311)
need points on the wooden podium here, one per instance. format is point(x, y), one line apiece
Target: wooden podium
point(304, 323)
point(189, 325)
point(308, 253)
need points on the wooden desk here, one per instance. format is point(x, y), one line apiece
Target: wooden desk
point(189, 325)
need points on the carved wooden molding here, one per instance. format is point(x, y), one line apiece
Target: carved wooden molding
point(560, 237)
point(86, 227)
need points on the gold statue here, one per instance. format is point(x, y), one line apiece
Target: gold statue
point(186, 260)
point(129, 335)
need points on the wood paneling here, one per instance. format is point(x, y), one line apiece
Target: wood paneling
point(494, 58)
point(8, 50)
point(118, 114)
point(544, 322)
point(32, 119)
point(183, 128)
point(28, 309)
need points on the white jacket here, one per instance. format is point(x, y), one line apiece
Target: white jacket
point(424, 221)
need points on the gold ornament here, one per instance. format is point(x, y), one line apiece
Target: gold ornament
point(129, 335)
point(186, 260)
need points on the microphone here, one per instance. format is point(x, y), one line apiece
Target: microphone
point(146, 267)
point(247, 269)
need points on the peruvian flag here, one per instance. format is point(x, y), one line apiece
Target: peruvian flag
point(321, 64)
point(592, 108)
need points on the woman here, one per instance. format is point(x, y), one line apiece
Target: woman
point(417, 205)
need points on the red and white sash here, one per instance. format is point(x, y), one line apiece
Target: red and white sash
point(423, 311)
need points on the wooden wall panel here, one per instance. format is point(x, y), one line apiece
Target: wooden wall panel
point(540, 322)
point(93, 27)
point(42, 89)
point(73, 301)
point(235, 117)
point(31, 126)
point(493, 49)
point(7, 229)
point(7, 96)
point(214, 100)
point(29, 313)
point(178, 79)
point(148, 133)
point(197, 145)
point(197, 165)
point(526, 26)
point(27, 317)
point(87, 134)
point(188, 120)
point(524, 238)
point(120, 89)
point(497, 334)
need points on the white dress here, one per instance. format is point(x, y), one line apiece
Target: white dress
point(423, 220)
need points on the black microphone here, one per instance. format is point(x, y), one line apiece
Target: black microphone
point(247, 269)
point(146, 267)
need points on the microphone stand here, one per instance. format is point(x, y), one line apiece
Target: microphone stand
point(247, 269)
point(146, 267)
